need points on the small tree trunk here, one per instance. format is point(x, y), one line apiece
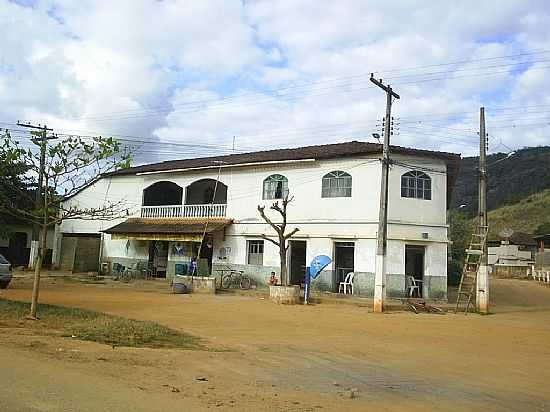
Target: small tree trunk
point(37, 269)
point(284, 268)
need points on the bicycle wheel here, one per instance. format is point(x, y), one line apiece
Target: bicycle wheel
point(245, 282)
point(226, 281)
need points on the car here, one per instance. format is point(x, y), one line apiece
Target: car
point(5, 272)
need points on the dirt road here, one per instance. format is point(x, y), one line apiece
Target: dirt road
point(299, 358)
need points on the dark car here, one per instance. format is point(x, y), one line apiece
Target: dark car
point(5, 272)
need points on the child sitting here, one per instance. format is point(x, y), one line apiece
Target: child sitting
point(272, 280)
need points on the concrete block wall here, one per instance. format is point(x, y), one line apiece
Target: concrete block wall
point(258, 274)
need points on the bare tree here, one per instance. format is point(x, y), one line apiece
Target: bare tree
point(280, 228)
point(71, 165)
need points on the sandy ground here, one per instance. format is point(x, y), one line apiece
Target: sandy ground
point(267, 357)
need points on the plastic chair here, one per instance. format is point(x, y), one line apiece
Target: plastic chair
point(413, 286)
point(347, 284)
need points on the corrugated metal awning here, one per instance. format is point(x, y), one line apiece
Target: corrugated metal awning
point(186, 230)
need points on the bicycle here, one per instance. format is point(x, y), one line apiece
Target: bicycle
point(236, 278)
point(122, 273)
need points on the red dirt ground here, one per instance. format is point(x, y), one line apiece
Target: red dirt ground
point(269, 358)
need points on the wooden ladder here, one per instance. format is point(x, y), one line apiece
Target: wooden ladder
point(474, 254)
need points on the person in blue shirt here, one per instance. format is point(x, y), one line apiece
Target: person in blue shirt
point(193, 266)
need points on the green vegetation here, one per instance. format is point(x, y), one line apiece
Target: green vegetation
point(529, 215)
point(67, 165)
point(543, 228)
point(510, 180)
point(461, 228)
point(95, 326)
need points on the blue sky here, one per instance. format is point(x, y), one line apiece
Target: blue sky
point(276, 73)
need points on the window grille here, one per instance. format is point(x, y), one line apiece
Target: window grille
point(275, 187)
point(336, 184)
point(417, 185)
point(255, 252)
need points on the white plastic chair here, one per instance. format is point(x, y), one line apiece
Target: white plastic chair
point(347, 284)
point(413, 286)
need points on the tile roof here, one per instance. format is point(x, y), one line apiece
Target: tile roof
point(318, 152)
point(138, 225)
point(517, 238)
point(326, 151)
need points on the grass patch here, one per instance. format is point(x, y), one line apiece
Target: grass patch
point(95, 326)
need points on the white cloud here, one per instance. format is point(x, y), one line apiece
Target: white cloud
point(174, 70)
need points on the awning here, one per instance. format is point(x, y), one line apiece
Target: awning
point(183, 230)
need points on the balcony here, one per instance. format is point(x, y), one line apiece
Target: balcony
point(184, 211)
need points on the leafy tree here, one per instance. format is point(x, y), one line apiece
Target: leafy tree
point(543, 229)
point(280, 228)
point(71, 165)
point(460, 227)
point(12, 184)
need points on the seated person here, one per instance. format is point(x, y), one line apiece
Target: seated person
point(272, 280)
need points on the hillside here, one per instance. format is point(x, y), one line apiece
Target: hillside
point(511, 180)
point(523, 216)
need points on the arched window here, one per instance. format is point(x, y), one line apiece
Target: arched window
point(162, 193)
point(275, 187)
point(336, 184)
point(417, 185)
point(201, 192)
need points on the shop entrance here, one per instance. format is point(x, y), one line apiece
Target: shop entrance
point(297, 261)
point(414, 266)
point(344, 261)
point(158, 257)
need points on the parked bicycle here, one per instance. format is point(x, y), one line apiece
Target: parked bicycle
point(236, 279)
point(122, 273)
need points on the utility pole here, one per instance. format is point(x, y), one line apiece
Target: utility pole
point(482, 286)
point(38, 247)
point(380, 263)
point(40, 140)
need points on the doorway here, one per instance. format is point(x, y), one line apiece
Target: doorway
point(344, 261)
point(19, 253)
point(297, 261)
point(205, 256)
point(414, 265)
point(158, 257)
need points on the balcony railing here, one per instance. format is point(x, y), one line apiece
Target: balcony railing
point(183, 211)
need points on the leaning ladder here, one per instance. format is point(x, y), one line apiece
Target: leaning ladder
point(474, 254)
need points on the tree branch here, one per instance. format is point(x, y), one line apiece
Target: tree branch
point(261, 210)
point(290, 234)
point(270, 240)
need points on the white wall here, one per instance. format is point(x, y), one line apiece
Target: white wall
point(510, 252)
point(322, 221)
point(4, 242)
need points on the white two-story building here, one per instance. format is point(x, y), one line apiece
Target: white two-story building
point(336, 190)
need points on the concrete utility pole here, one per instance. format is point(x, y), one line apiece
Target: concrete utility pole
point(380, 264)
point(40, 201)
point(40, 139)
point(482, 287)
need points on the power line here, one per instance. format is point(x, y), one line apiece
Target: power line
point(362, 75)
point(193, 106)
point(466, 61)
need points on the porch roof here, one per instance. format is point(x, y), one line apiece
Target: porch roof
point(166, 229)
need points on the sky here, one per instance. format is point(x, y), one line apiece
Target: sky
point(175, 79)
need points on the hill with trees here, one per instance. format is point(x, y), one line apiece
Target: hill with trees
point(530, 215)
point(511, 180)
point(518, 198)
